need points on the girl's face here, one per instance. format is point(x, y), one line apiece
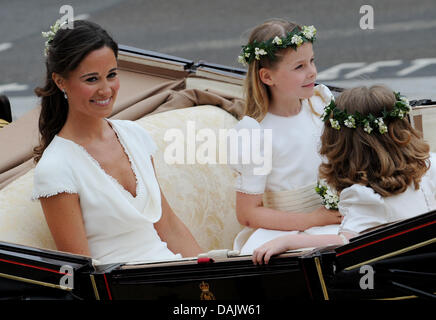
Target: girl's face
point(294, 76)
point(93, 86)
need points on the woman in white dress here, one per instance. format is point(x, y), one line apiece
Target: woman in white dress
point(378, 163)
point(281, 96)
point(95, 177)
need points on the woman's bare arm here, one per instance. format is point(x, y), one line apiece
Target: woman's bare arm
point(174, 232)
point(251, 212)
point(64, 218)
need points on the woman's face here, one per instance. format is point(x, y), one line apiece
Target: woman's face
point(93, 86)
point(294, 76)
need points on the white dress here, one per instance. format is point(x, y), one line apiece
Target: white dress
point(295, 160)
point(119, 227)
point(363, 209)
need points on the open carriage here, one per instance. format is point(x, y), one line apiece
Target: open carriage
point(160, 92)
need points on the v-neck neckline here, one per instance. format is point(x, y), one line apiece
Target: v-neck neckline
point(115, 181)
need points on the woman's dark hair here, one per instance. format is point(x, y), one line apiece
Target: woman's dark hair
point(5, 108)
point(66, 51)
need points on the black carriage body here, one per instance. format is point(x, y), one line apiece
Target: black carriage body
point(31, 273)
point(397, 261)
point(205, 279)
point(400, 257)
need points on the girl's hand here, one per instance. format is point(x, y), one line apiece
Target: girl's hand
point(323, 216)
point(295, 241)
point(270, 248)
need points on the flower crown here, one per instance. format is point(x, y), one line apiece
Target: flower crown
point(50, 34)
point(294, 39)
point(338, 117)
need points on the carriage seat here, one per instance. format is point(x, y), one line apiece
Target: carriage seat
point(202, 195)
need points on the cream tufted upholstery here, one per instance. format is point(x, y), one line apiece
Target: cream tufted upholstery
point(201, 195)
point(22, 220)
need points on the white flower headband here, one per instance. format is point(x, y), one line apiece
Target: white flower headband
point(294, 39)
point(337, 117)
point(51, 34)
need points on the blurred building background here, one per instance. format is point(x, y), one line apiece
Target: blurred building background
point(400, 51)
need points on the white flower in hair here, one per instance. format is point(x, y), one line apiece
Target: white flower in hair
point(309, 32)
point(296, 39)
point(277, 41)
point(406, 101)
point(367, 127)
point(241, 59)
point(50, 34)
point(350, 122)
point(259, 52)
point(382, 128)
point(324, 114)
point(53, 29)
point(401, 114)
point(335, 124)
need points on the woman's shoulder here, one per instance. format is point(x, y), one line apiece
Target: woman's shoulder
point(54, 172)
point(134, 134)
point(129, 126)
point(58, 159)
point(57, 154)
point(125, 124)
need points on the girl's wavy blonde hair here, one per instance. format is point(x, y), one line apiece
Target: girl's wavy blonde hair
point(256, 93)
point(387, 163)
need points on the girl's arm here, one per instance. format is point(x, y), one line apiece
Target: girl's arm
point(175, 233)
point(295, 241)
point(251, 212)
point(64, 218)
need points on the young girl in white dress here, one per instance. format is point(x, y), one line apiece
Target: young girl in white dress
point(380, 166)
point(94, 176)
point(281, 96)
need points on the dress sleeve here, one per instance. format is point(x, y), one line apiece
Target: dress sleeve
point(52, 176)
point(432, 173)
point(144, 137)
point(252, 175)
point(362, 209)
point(148, 142)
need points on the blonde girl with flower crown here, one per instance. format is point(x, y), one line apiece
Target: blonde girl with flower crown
point(380, 166)
point(281, 96)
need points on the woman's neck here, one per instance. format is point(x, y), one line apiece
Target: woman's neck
point(285, 107)
point(84, 129)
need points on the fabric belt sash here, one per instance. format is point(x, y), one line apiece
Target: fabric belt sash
point(301, 200)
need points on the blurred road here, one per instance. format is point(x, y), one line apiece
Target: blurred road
point(400, 51)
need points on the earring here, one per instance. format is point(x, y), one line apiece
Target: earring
point(65, 94)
